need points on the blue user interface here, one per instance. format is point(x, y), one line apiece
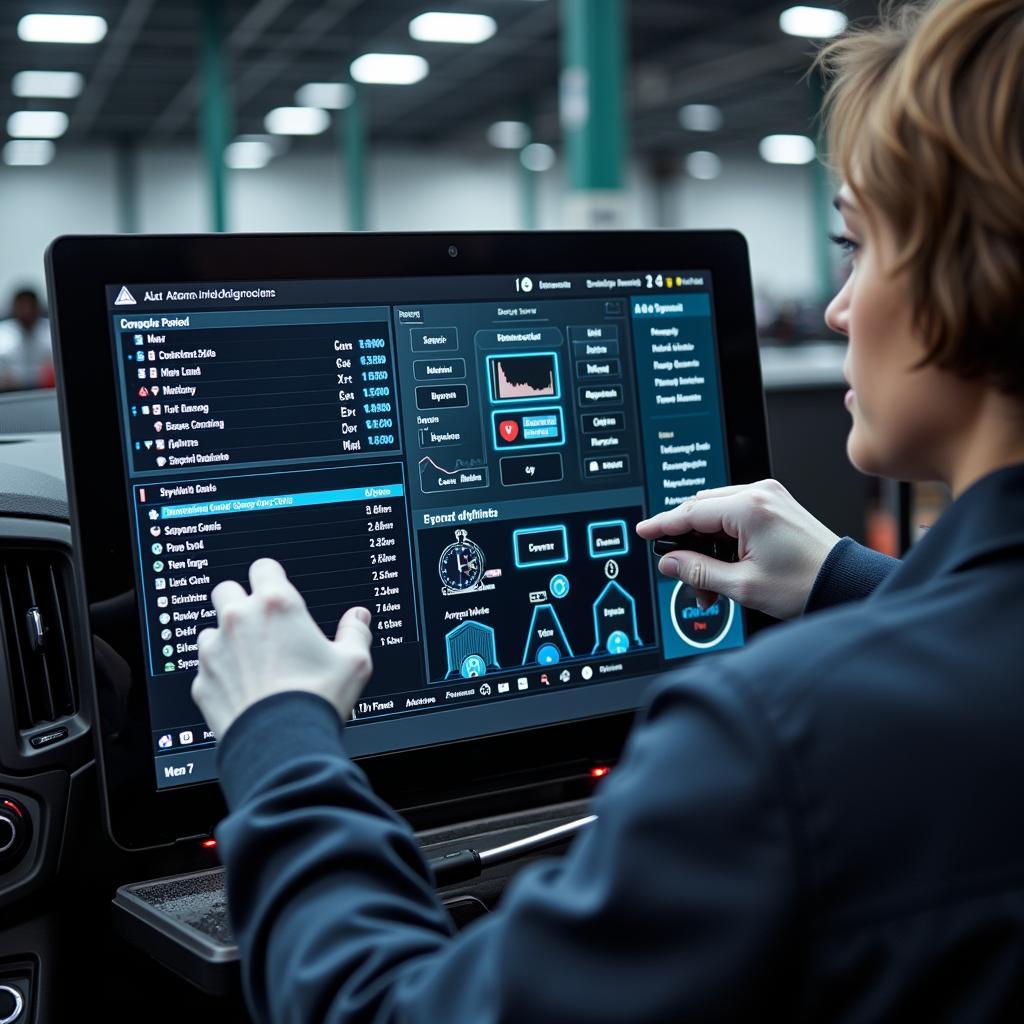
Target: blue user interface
point(466, 457)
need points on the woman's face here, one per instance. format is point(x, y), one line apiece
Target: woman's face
point(905, 418)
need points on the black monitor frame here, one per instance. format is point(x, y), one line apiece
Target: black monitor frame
point(78, 269)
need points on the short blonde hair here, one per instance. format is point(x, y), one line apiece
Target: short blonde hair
point(924, 115)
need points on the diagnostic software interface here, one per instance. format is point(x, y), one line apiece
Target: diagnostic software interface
point(466, 457)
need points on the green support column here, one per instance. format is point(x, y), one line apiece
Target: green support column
point(593, 110)
point(352, 135)
point(215, 114)
point(127, 186)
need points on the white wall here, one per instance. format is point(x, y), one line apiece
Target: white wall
point(407, 190)
point(73, 194)
point(774, 207)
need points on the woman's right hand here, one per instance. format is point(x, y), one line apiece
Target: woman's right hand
point(781, 546)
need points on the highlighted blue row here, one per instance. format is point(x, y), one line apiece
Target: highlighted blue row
point(278, 501)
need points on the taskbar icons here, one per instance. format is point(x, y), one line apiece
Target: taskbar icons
point(183, 738)
point(535, 681)
point(538, 680)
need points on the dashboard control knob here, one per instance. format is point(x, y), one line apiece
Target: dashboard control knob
point(15, 830)
point(8, 834)
point(11, 1004)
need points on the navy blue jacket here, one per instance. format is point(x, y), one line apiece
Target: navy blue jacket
point(827, 825)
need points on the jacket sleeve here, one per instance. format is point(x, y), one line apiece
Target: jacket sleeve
point(849, 573)
point(678, 903)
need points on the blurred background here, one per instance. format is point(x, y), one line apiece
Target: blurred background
point(327, 115)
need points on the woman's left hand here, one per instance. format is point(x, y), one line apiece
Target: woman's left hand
point(267, 642)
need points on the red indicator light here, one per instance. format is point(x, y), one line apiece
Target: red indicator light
point(599, 773)
point(209, 844)
point(14, 807)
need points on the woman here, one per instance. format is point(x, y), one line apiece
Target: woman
point(823, 826)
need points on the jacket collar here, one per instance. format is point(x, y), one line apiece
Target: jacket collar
point(986, 520)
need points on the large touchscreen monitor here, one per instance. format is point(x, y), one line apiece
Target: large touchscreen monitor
point(464, 452)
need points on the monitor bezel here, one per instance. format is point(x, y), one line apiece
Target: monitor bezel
point(138, 816)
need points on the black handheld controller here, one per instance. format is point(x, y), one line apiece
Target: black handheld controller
point(714, 545)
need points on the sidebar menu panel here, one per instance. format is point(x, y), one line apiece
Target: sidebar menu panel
point(684, 447)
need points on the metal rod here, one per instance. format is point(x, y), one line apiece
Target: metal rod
point(537, 841)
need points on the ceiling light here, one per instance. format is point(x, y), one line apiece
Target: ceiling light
point(787, 149)
point(389, 68)
point(812, 22)
point(700, 117)
point(37, 124)
point(439, 27)
point(52, 85)
point(29, 152)
point(296, 121)
point(328, 95)
point(61, 28)
point(247, 156)
point(508, 134)
point(277, 144)
point(538, 157)
point(703, 165)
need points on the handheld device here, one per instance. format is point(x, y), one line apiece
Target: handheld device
point(714, 545)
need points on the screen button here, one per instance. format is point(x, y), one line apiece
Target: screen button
point(531, 469)
point(439, 369)
point(442, 396)
point(603, 443)
point(517, 334)
point(597, 368)
point(600, 394)
point(606, 465)
point(434, 339)
point(599, 422)
point(595, 349)
point(594, 332)
point(609, 538)
point(541, 545)
point(527, 428)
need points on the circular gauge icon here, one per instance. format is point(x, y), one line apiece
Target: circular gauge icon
point(559, 585)
point(461, 565)
point(548, 654)
point(700, 629)
point(473, 666)
point(618, 642)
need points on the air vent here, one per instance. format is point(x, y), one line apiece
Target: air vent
point(36, 634)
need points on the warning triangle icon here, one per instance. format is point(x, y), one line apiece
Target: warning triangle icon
point(124, 298)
